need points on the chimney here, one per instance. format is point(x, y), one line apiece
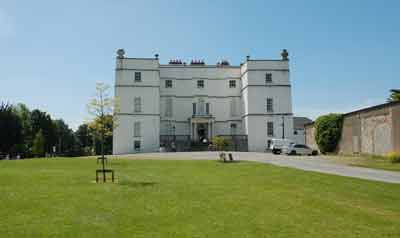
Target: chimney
point(285, 55)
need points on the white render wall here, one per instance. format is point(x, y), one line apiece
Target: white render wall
point(255, 92)
point(250, 95)
point(126, 89)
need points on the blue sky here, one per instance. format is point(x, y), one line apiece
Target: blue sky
point(344, 55)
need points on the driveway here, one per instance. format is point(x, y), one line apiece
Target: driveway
point(308, 163)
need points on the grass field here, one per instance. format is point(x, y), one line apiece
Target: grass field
point(154, 198)
point(367, 161)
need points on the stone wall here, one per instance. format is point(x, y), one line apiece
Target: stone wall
point(310, 136)
point(374, 130)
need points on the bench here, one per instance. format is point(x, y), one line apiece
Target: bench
point(222, 157)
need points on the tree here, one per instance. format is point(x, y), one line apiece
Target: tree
point(25, 116)
point(66, 140)
point(394, 95)
point(328, 129)
point(85, 138)
point(10, 129)
point(102, 107)
point(96, 137)
point(42, 121)
point(38, 148)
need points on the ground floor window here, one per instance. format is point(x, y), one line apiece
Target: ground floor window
point(233, 129)
point(137, 145)
point(270, 128)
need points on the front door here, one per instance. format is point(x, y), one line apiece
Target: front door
point(202, 132)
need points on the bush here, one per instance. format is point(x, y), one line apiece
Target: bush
point(221, 143)
point(328, 129)
point(393, 157)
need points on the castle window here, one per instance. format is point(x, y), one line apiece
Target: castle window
point(270, 105)
point(168, 83)
point(233, 107)
point(137, 129)
point(268, 78)
point(137, 104)
point(270, 128)
point(232, 84)
point(138, 76)
point(194, 108)
point(168, 107)
point(200, 83)
point(201, 107)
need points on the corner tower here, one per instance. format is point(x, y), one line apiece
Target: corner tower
point(137, 87)
point(267, 101)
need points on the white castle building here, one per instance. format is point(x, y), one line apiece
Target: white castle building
point(185, 104)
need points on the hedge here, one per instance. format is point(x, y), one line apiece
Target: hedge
point(328, 129)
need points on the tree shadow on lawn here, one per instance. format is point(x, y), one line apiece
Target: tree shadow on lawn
point(136, 183)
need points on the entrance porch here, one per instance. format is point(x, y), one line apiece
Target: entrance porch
point(201, 128)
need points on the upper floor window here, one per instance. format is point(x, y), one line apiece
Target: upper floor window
point(270, 105)
point(233, 106)
point(232, 84)
point(194, 108)
point(201, 106)
point(268, 78)
point(270, 128)
point(207, 108)
point(168, 107)
point(168, 83)
point(138, 76)
point(137, 104)
point(136, 129)
point(200, 83)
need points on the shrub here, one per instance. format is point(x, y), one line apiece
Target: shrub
point(393, 157)
point(328, 129)
point(221, 143)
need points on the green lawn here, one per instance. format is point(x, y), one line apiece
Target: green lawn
point(367, 161)
point(154, 198)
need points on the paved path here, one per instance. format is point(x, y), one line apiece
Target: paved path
point(307, 163)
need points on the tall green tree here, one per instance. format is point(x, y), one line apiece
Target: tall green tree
point(394, 95)
point(24, 114)
point(66, 140)
point(42, 121)
point(85, 138)
point(10, 129)
point(38, 147)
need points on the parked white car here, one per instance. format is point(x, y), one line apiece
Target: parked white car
point(299, 149)
point(276, 145)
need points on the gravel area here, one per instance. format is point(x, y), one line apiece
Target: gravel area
point(308, 163)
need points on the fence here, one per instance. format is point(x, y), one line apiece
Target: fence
point(182, 142)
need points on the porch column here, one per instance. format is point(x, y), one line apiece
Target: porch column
point(194, 132)
point(190, 130)
point(209, 130)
